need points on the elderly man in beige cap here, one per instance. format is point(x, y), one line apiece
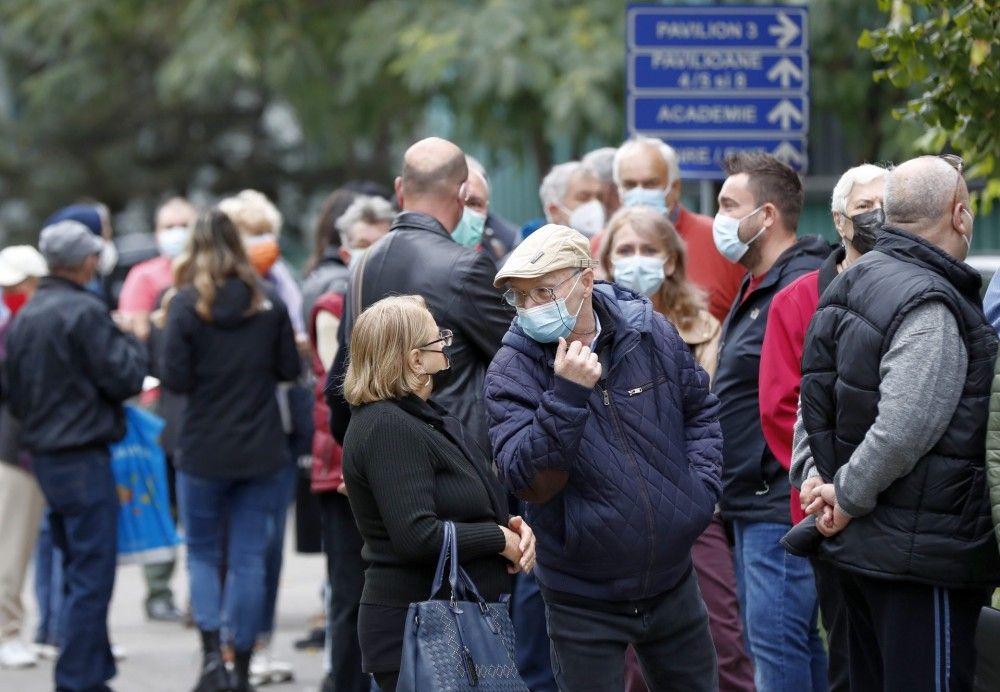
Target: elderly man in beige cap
point(601, 419)
point(21, 501)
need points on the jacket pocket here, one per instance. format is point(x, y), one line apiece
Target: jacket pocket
point(636, 391)
point(975, 506)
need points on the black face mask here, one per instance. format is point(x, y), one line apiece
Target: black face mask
point(866, 227)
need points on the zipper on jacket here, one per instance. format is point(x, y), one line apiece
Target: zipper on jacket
point(646, 387)
point(644, 493)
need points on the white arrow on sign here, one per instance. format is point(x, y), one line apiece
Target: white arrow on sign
point(786, 30)
point(786, 71)
point(786, 112)
point(787, 153)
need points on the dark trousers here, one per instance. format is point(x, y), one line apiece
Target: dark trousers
point(531, 641)
point(346, 571)
point(669, 633)
point(908, 636)
point(833, 613)
point(83, 515)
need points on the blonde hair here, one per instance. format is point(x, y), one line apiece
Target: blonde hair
point(383, 336)
point(677, 299)
point(252, 213)
point(214, 254)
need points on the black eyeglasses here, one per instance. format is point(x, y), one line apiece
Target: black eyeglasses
point(445, 337)
point(540, 295)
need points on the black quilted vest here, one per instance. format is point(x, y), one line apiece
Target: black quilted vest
point(933, 525)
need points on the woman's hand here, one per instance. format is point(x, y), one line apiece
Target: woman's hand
point(512, 550)
point(526, 544)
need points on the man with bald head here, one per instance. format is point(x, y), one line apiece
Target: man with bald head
point(889, 445)
point(421, 256)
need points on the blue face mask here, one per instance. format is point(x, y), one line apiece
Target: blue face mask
point(656, 198)
point(548, 322)
point(469, 230)
point(639, 274)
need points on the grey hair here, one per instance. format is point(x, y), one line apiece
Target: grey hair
point(919, 193)
point(859, 175)
point(642, 141)
point(556, 183)
point(475, 167)
point(602, 161)
point(363, 209)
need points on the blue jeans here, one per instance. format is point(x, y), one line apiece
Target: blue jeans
point(244, 506)
point(83, 517)
point(48, 584)
point(777, 593)
point(283, 493)
point(531, 641)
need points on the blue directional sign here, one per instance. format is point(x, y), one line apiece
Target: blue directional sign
point(713, 79)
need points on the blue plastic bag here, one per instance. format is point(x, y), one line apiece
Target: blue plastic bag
point(146, 531)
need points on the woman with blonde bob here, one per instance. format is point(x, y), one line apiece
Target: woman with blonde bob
point(228, 342)
point(408, 468)
point(643, 253)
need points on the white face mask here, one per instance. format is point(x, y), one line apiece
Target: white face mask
point(588, 218)
point(172, 241)
point(109, 258)
point(726, 234)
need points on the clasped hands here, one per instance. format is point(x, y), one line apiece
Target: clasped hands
point(820, 499)
point(520, 547)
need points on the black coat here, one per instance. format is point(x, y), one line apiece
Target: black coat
point(229, 368)
point(932, 525)
point(419, 257)
point(408, 468)
point(69, 368)
point(755, 486)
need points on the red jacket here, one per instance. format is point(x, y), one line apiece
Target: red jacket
point(781, 368)
point(327, 469)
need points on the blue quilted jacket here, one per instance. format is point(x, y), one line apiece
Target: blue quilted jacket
point(643, 450)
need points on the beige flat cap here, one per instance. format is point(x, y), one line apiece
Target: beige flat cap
point(550, 248)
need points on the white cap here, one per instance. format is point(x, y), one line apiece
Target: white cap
point(18, 262)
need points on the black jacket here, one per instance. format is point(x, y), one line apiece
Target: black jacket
point(229, 368)
point(419, 257)
point(408, 468)
point(932, 525)
point(755, 486)
point(69, 369)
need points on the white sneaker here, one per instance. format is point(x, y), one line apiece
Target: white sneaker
point(45, 652)
point(264, 670)
point(14, 654)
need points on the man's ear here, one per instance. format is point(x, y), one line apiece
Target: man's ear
point(398, 186)
point(345, 256)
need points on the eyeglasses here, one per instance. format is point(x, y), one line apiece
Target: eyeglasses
point(445, 337)
point(542, 294)
point(956, 162)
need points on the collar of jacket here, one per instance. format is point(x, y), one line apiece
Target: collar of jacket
point(418, 221)
point(810, 246)
point(828, 270)
point(59, 283)
point(911, 248)
point(623, 314)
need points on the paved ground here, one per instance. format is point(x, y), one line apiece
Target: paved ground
point(165, 658)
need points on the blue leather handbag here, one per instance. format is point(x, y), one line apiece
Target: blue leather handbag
point(463, 643)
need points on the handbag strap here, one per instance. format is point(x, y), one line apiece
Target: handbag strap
point(459, 581)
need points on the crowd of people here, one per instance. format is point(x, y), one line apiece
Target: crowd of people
point(682, 446)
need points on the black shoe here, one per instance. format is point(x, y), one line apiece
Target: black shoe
point(239, 681)
point(316, 639)
point(213, 676)
point(162, 610)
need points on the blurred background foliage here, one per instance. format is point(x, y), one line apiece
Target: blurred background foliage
point(128, 100)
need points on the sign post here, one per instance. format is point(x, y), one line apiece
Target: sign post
point(713, 80)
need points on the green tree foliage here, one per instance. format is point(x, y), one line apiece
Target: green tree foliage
point(946, 55)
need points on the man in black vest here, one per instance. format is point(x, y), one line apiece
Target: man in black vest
point(894, 403)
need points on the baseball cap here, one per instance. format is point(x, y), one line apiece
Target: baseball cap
point(551, 248)
point(18, 262)
point(68, 244)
